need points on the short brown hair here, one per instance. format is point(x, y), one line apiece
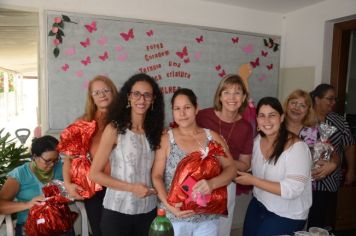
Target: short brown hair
point(230, 80)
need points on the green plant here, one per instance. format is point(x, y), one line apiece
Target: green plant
point(11, 155)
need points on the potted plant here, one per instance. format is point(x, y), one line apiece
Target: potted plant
point(11, 155)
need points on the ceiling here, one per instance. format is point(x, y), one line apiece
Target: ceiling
point(19, 31)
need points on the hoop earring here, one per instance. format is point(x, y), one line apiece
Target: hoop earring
point(128, 104)
point(258, 129)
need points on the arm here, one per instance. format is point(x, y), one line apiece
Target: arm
point(97, 173)
point(70, 187)
point(244, 162)
point(157, 177)
point(7, 196)
point(297, 174)
point(325, 168)
point(350, 156)
point(225, 177)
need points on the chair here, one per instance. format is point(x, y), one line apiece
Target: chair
point(9, 225)
point(22, 134)
point(83, 213)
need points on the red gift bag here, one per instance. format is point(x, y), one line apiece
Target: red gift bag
point(75, 142)
point(51, 217)
point(198, 166)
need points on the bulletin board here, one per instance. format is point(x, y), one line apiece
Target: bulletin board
point(80, 46)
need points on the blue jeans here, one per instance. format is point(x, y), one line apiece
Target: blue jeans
point(261, 222)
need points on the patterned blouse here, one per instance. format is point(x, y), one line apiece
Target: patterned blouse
point(175, 156)
point(131, 161)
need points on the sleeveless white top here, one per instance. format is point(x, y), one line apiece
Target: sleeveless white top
point(131, 161)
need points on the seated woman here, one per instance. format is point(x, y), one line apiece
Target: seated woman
point(187, 138)
point(25, 182)
point(281, 176)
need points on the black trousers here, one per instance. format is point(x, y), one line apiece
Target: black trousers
point(114, 223)
point(94, 208)
point(323, 210)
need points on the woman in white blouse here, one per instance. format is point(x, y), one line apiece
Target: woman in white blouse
point(281, 165)
point(129, 142)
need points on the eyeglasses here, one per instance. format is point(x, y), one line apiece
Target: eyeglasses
point(137, 95)
point(231, 94)
point(331, 99)
point(298, 105)
point(49, 162)
point(102, 92)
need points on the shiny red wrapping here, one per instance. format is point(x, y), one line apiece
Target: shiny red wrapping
point(199, 167)
point(51, 217)
point(75, 142)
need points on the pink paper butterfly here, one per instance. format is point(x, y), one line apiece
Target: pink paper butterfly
point(270, 67)
point(183, 53)
point(102, 41)
point(218, 67)
point(262, 77)
point(255, 63)
point(122, 57)
point(70, 51)
point(197, 55)
point(200, 39)
point(222, 73)
point(149, 33)
point(235, 40)
point(65, 67)
point(91, 27)
point(86, 61)
point(85, 43)
point(263, 53)
point(187, 60)
point(127, 36)
point(79, 73)
point(248, 49)
point(104, 56)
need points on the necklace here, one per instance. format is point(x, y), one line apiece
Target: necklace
point(229, 135)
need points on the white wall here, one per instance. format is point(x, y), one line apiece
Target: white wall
point(303, 35)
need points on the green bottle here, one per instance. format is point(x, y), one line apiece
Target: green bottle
point(161, 226)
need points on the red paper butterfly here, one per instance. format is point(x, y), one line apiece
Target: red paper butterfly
point(218, 67)
point(85, 43)
point(104, 56)
point(263, 53)
point(235, 39)
point(149, 33)
point(91, 27)
point(187, 60)
point(183, 53)
point(222, 73)
point(86, 61)
point(270, 67)
point(127, 36)
point(200, 39)
point(65, 67)
point(255, 63)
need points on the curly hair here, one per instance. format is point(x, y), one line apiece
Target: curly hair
point(120, 114)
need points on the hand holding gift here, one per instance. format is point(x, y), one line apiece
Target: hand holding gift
point(322, 149)
point(198, 166)
point(75, 142)
point(52, 216)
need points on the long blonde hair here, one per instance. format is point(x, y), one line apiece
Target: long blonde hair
point(90, 107)
point(310, 118)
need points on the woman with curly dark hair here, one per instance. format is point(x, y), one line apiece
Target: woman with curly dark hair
point(129, 142)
